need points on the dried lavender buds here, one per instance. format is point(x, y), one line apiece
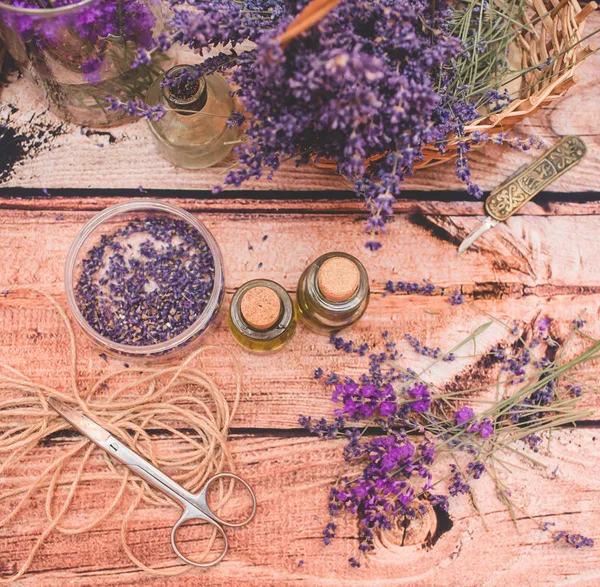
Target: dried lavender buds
point(147, 282)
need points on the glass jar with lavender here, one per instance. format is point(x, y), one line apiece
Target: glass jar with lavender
point(144, 279)
point(80, 53)
point(195, 130)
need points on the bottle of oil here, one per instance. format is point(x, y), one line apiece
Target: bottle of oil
point(333, 292)
point(262, 316)
point(194, 132)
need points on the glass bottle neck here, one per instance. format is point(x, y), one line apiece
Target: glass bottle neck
point(183, 91)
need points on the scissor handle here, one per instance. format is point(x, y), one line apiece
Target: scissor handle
point(201, 497)
point(186, 517)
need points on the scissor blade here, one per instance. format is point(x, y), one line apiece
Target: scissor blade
point(128, 457)
point(483, 227)
point(82, 423)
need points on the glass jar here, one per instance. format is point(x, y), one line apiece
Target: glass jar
point(82, 53)
point(194, 132)
point(262, 317)
point(333, 293)
point(91, 273)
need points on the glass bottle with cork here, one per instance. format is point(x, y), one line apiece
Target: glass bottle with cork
point(194, 132)
point(262, 316)
point(333, 292)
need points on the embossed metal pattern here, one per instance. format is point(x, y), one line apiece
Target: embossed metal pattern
point(506, 199)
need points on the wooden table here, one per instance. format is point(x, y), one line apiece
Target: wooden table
point(543, 261)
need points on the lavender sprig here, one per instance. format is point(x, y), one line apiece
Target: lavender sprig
point(393, 403)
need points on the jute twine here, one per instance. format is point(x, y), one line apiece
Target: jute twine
point(114, 401)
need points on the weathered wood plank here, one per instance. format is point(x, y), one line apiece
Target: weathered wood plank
point(277, 388)
point(128, 159)
point(551, 279)
point(291, 478)
point(546, 204)
point(528, 251)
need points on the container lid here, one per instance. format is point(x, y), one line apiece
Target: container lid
point(260, 307)
point(338, 279)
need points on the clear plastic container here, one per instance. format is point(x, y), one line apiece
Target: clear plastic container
point(118, 217)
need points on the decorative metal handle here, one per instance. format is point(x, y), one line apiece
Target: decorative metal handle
point(506, 199)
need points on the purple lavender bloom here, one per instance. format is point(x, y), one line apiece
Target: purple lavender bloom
point(426, 288)
point(486, 428)
point(458, 484)
point(456, 299)
point(420, 392)
point(137, 108)
point(476, 469)
point(91, 69)
point(372, 246)
point(329, 533)
point(576, 390)
point(576, 540)
point(424, 350)
point(463, 415)
point(142, 57)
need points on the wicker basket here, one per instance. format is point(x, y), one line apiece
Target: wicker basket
point(559, 24)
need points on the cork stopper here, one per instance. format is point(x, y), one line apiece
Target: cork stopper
point(260, 307)
point(338, 279)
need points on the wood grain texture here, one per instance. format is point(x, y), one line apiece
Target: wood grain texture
point(528, 274)
point(543, 261)
point(127, 159)
point(291, 477)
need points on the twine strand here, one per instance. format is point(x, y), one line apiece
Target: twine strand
point(182, 402)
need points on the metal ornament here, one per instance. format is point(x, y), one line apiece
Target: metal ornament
point(526, 183)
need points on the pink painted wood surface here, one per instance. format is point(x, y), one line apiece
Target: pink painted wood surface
point(543, 261)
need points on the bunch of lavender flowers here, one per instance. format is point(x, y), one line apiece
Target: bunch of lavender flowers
point(357, 88)
point(402, 430)
point(360, 88)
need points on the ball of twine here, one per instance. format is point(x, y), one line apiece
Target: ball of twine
point(200, 407)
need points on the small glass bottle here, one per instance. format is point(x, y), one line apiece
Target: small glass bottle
point(262, 316)
point(193, 133)
point(333, 292)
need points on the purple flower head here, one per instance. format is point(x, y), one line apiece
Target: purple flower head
point(544, 324)
point(372, 246)
point(91, 69)
point(576, 540)
point(463, 415)
point(458, 484)
point(486, 428)
point(329, 533)
point(420, 392)
point(476, 469)
point(456, 299)
point(387, 408)
point(576, 390)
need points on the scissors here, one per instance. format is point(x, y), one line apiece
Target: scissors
point(195, 506)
